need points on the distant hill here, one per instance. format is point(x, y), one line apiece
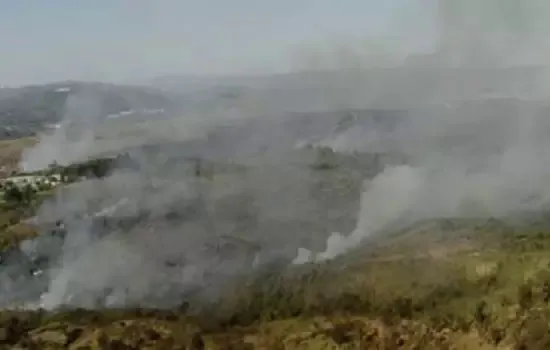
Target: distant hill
point(27, 110)
point(415, 84)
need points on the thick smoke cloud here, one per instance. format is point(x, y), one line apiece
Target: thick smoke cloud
point(479, 158)
point(468, 154)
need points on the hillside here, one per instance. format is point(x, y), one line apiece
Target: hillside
point(27, 110)
point(482, 285)
point(449, 283)
point(415, 84)
point(199, 228)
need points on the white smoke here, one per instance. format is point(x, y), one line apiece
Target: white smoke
point(72, 140)
point(388, 197)
point(477, 161)
point(467, 155)
point(483, 152)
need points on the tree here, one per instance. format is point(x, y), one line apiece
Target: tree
point(100, 167)
point(28, 193)
point(53, 167)
point(13, 194)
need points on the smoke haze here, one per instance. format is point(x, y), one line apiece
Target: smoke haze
point(472, 139)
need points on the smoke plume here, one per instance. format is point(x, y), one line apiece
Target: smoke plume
point(72, 139)
point(472, 138)
point(480, 153)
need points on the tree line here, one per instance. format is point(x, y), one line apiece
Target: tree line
point(27, 192)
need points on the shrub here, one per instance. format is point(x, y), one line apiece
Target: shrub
point(13, 194)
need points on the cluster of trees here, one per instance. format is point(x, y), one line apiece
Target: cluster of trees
point(93, 168)
point(26, 192)
point(21, 195)
point(98, 168)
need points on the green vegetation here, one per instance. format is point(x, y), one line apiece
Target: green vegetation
point(92, 168)
point(97, 167)
point(19, 195)
point(442, 284)
point(481, 288)
point(17, 206)
point(21, 200)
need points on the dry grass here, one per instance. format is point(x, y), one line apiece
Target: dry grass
point(10, 153)
point(471, 298)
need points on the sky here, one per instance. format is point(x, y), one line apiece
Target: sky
point(118, 40)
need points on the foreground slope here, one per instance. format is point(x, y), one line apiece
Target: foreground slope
point(452, 284)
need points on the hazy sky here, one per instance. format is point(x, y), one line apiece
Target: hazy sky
point(125, 39)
